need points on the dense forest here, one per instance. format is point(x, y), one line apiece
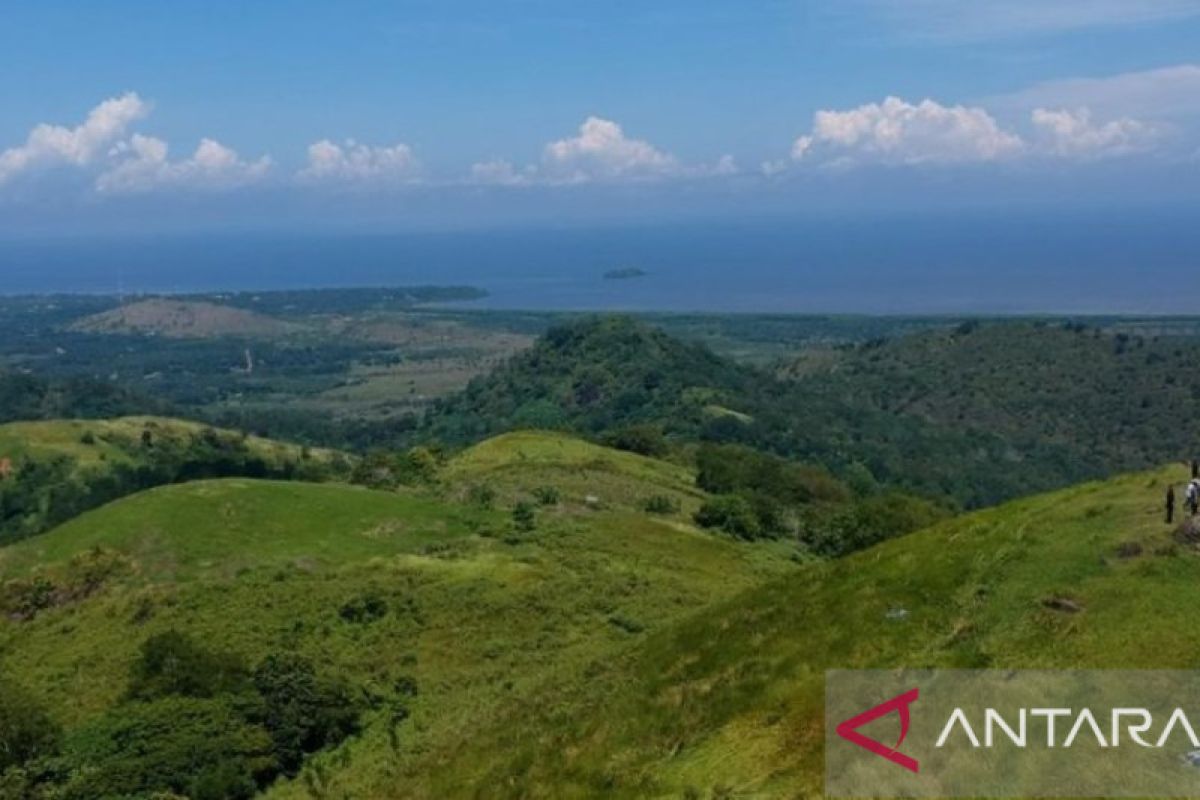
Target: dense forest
point(29, 397)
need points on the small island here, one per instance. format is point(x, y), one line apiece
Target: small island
point(624, 274)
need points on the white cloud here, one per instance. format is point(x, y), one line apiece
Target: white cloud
point(1167, 93)
point(51, 145)
point(898, 132)
point(143, 165)
point(354, 162)
point(1074, 134)
point(602, 152)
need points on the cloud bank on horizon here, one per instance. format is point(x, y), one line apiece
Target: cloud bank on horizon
point(1077, 121)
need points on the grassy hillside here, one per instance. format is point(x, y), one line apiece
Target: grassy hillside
point(443, 611)
point(517, 464)
point(50, 471)
point(729, 702)
point(603, 650)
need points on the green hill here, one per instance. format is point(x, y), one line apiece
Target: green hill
point(601, 651)
point(594, 375)
point(438, 614)
point(517, 464)
point(730, 702)
point(50, 471)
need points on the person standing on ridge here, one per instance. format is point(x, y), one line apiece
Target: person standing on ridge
point(1192, 498)
point(1170, 504)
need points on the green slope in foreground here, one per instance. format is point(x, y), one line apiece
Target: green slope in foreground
point(729, 703)
point(481, 616)
point(605, 653)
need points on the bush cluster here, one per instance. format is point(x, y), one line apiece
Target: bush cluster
point(194, 723)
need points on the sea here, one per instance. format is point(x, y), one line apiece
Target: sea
point(988, 264)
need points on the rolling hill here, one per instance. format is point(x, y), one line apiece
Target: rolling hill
point(516, 464)
point(184, 319)
point(603, 651)
point(440, 609)
point(53, 470)
point(729, 703)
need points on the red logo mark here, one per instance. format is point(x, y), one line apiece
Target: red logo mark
point(848, 730)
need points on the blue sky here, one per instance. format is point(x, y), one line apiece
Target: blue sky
point(138, 115)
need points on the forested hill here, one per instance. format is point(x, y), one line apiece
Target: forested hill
point(598, 374)
point(980, 413)
point(1048, 404)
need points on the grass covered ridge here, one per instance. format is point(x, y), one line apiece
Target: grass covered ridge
point(52, 471)
point(730, 701)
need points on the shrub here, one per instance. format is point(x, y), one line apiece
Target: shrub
point(731, 514)
point(302, 712)
point(836, 532)
point(725, 469)
point(387, 470)
point(660, 504)
point(84, 574)
point(627, 624)
point(646, 440)
point(365, 608)
point(199, 748)
point(172, 663)
point(524, 516)
point(23, 598)
point(26, 730)
point(481, 495)
point(547, 495)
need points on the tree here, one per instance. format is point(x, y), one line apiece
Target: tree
point(645, 439)
point(172, 663)
point(26, 730)
point(731, 514)
point(303, 712)
point(200, 748)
